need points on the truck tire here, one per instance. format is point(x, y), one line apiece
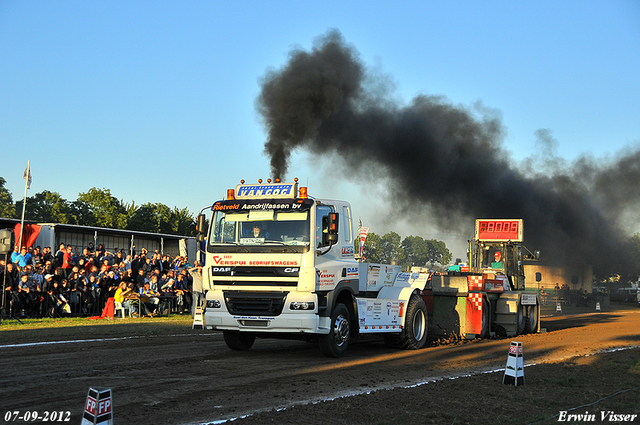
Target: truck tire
point(414, 333)
point(335, 343)
point(238, 340)
point(531, 323)
point(415, 325)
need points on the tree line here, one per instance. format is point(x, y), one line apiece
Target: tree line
point(98, 208)
point(411, 251)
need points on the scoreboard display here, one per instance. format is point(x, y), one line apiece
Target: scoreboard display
point(498, 230)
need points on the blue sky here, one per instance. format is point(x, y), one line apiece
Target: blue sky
point(155, 100)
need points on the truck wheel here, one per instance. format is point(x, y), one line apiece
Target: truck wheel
point(531, 322)
point(238, 340)
point(521, 318)
point(415, 324)
point(335, 343)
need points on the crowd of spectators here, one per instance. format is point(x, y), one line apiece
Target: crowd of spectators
point(42, 283)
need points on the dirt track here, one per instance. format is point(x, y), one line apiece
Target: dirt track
point(186, 376)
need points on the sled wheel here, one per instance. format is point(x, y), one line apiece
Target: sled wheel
point(521, 318)
point(486, 318)
point(531, 322)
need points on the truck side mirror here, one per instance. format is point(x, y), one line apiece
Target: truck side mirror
point(201, 228)
point(330, 229)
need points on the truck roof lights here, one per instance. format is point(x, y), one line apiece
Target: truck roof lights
point(231, 194)
point(303, 193)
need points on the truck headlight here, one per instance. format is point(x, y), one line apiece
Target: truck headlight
point(302, 305)
point(213, 304)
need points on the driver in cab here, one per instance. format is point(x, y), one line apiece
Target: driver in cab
point(258, 231)
point(498, 263)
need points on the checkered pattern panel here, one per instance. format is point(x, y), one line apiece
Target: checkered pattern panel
point(475, 283)
point(476, 301)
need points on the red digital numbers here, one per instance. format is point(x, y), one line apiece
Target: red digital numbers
point(499, 230)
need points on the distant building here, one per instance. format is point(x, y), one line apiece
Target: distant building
point(52, 235)
point(578, 276)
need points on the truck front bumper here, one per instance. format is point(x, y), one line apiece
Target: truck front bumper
point(299, 315)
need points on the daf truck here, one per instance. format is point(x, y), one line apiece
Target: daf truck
point(281, 263)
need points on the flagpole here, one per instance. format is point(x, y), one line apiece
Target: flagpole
point(24, 201)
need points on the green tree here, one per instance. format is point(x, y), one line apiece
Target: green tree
point(390, 245)
point(420, 252)
point(7, 208)
point(154, 218)
point(382, 249)
point(47, 207)
point(371, 250)
point(158, 218)
point(80, 213)
point(144, 219)
point(102, 208)
point(184, 223)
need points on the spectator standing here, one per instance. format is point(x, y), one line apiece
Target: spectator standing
point(14, 254)
point(197, 287)
point(22, 259)
point(36, 256)
point(10, 278)
point(183, 293)
point(60, 255)
point(48, 265)
point(47, 256)
point(127, 262)
point(67, 261)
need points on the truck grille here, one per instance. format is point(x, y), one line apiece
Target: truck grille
point(255, 303)
point(254, 283)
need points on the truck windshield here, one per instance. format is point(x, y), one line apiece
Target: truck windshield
point(492, 256)
point(260, 228)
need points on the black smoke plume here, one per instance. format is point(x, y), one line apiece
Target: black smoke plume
point(446, 157)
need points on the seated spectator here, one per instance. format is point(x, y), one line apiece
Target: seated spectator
point(60, 294)
point(149, 298)
point(123, 298)
point(28, 296)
